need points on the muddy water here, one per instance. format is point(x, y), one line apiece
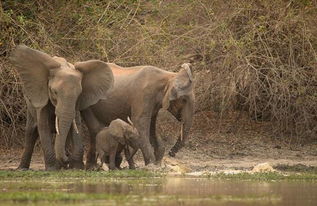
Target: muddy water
point(173, 191)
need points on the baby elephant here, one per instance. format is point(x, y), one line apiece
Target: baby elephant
point(110, 142)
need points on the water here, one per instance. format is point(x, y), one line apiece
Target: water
point(167, 191)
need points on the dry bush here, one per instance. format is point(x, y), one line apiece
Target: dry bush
point(256, 56)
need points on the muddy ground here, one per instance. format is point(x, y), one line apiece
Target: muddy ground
point(215, 144)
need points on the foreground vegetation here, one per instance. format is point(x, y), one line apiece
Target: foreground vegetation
point(96, 176)
point(138, 187)
point(77, 174)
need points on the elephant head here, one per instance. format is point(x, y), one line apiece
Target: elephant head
point(179, 100)
point(126, 134)
point(123, 132)
point(69, 88)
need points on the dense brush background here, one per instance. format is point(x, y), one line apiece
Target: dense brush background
point(257, 57)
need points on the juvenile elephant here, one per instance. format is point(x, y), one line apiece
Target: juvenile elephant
point(55, 92)
point(140, 92)
point(110, 142)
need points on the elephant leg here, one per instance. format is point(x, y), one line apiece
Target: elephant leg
point(77, 152)
point(118, 160)
point(46, 137)
point(156, 142)
point(101, 156)
point(31, 135)
point(94, 126)
point(112, 157)
point(143, 126)
point(129, 157)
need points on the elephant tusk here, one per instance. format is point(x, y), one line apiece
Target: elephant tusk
point(182, 128)
point(56, 125)
point(129, 120)
point(75, 126)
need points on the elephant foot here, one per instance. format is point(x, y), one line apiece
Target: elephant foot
point(158, 162)
point(132, 167)
point(91, 166)
point(51, 168)
point(114, 168)
point(22, 168)
point(61, 165)
point(76, 165)
point(172, 153)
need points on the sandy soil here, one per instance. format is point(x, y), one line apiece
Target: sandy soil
point(214, 145)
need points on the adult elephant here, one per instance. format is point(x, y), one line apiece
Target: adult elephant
point(140, 92)
point(55, 92)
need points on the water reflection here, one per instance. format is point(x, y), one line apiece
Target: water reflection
point(193, 191)
point(281, 193)
point(120, 186)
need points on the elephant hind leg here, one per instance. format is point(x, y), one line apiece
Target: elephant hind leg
point(31, 135)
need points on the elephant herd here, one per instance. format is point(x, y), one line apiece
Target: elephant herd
point(59, 95)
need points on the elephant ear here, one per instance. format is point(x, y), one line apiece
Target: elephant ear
point(117, 130)
point(97, 80)
point(180, 85)
point(33, 67)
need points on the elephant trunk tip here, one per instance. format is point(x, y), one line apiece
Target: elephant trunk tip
point(172, 153)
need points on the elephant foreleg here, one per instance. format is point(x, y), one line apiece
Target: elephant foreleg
point(31, 135)
point(129, 156)
point(77, 147)
point(46, 138)
point(112, 157)
point(94, 126)
point(156, 142)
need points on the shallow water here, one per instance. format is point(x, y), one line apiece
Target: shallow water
point(166, 191)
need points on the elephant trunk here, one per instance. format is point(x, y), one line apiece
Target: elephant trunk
point(64, 120)
point(63, 125)
point(187, 117)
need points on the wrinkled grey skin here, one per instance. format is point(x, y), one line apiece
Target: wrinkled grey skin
point(110, 142)
point(55, 88)
point(140, 92)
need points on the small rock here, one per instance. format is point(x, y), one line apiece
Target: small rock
point(173, 165)
point(263, 167)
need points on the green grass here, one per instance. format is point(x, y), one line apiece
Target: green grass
point(56, 196)
point(76, 174)
point(104, 175)
point(75, 197)
point(268, 176)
